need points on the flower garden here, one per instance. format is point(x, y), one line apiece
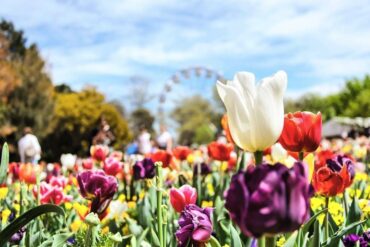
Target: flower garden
point(275, 182)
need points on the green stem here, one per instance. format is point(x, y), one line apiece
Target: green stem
point(241, 163)
point(345, 202)
point(327, 218)
point(199, 179)
point(89, 240)
point(271, 241)
point(258, 155)
point(301, 156)
point(262, 242)
point(159, 202)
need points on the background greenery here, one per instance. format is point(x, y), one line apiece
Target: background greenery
point(64, 120)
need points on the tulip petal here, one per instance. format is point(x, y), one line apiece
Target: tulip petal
point(177, 200)
point(237, 113)
point(201, 235)
point(268, 117)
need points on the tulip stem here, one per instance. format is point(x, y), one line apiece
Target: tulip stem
point(345, 202)
point(199, 171)
point(327, 218)
point(262, 242)
point(158, 167)
point(258, 155)
point(271, 241)
point(301, 156)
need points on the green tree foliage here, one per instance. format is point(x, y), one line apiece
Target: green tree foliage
point(76, 116)
point(27, 90)
point(352, 101)
point(32, 102)
point(193, 115)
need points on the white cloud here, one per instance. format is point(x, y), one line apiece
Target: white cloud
point(103, 43)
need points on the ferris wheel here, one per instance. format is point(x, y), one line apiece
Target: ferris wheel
point(181, 76)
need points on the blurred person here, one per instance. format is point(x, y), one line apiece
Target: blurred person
point(104, 135)
point(29, 147)
point(164, 139)
point(143, 141)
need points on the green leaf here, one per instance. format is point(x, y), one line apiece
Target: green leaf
point(354, 214)
point(334, 239)
point(133, 242)
point(142, 236)
point(59, 240)
point(316, 235)
point(307, 226)
point(25, 218)
point(235, 239)
point(213, 242)
point(155, 239)
point(291, 240)
point(4, 163)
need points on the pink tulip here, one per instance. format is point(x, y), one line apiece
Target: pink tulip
point(183, 196)
point(112, 166)
point(52, 194)
point(59, 181)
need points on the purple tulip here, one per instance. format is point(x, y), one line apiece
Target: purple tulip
point(269, 199)
point(350, 240)
point(205, 169)
point(144, 169)
point(97, 187)
point(17, 237)
point(195, 225)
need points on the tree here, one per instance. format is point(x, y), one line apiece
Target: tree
point(76, 116)
point(32, 102)
point(192, 114)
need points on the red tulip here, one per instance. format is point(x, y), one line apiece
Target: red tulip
point(112, 166)
point(99, 152)
point(162, 156)
point(334, 176)
point(28, 173)
point(301, 132)
point(220, 151)
point(181, 152)
point(183, 196)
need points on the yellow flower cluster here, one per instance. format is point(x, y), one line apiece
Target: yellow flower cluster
point(365, 208)
point(3, 193)
point(281, 241)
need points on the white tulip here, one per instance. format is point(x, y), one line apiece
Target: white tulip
point(255, 112)
point(68, 161)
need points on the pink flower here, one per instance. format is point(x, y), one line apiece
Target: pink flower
point(112, 166)
point(183, 196)
point(88, 163)
point(99, 152)
point(59, 181)
point(52, 194)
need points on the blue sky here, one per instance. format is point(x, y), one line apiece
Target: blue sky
point(104, 43)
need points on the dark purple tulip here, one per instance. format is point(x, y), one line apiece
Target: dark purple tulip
point(97, 187)
point(144, 169)
point(350, 240)
point(195, 225)
point(366, 236)
point(269, 199)
point(338, 162)
point(204, 169)
point(17, 237)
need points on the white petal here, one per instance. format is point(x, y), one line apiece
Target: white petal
point(269, 106)
point(238, 114)
point(246, 82)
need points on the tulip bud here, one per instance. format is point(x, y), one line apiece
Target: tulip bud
point(183, 196)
